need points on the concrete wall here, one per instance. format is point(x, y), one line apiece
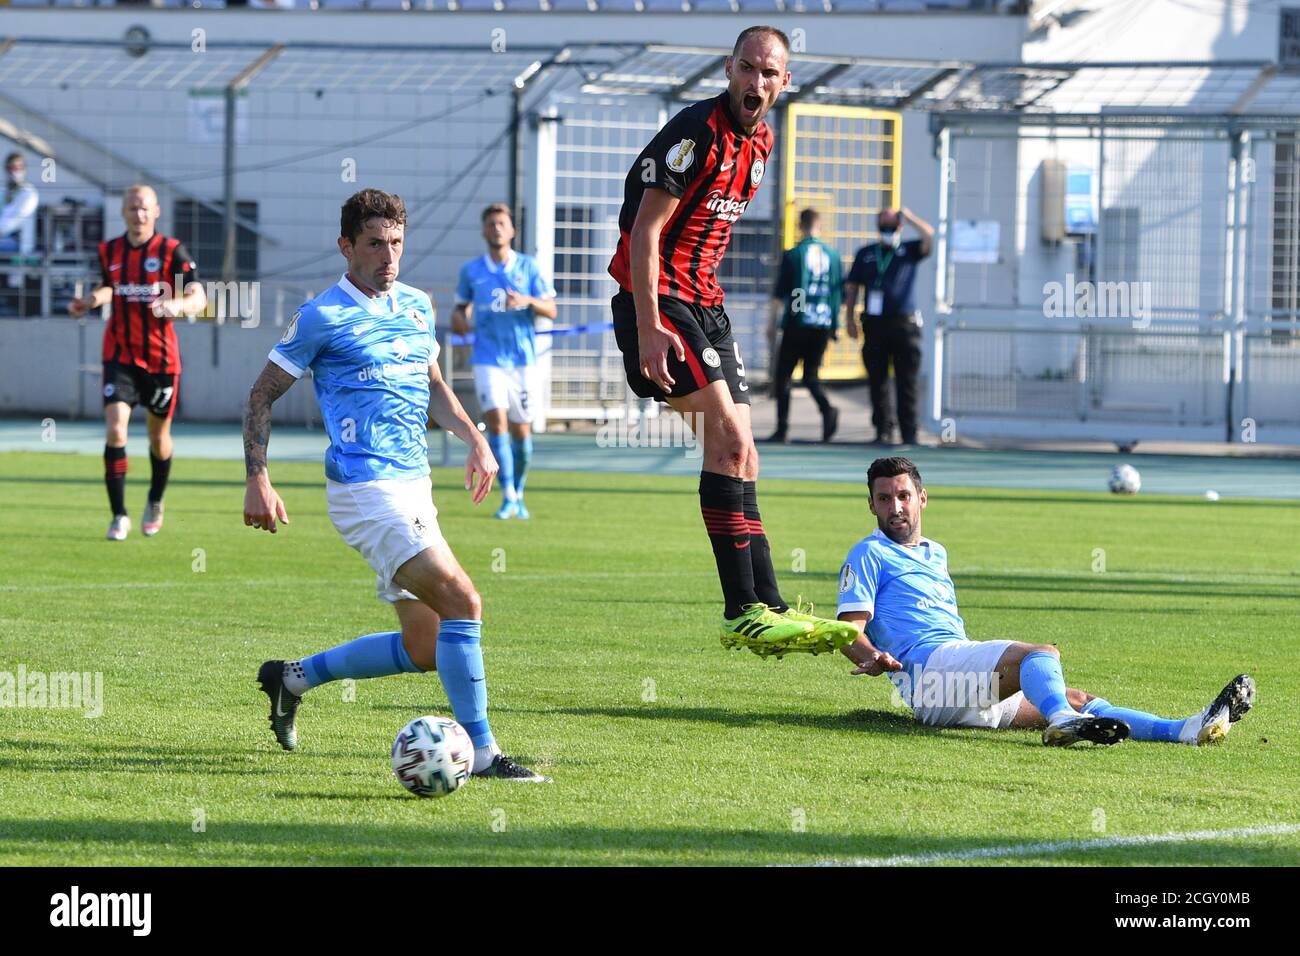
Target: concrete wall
point(53, 367)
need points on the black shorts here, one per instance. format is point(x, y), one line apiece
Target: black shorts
point(712, 355)
point(156, 391)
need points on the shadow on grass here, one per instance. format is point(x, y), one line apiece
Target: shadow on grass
point(90, 758)
point(429, 841)
point(857, 721)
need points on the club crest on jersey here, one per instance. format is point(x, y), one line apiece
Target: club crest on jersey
point(292, 330)
point(847, 578)
point(152, 264)
point(711, 358)
point(681, 156)
point(725, 208)
point(418, 320)
point(756, 172)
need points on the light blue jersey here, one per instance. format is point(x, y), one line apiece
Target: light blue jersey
point(911, 598)
point(502, 337)
point(370, 361)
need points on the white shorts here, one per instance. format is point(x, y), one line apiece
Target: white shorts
point(957, 687)
point(389, 521)
point(514, 389)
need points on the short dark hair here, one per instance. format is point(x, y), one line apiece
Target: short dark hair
point(12, 156)
point(496, 209)
point(755, 31)
point(366, 205)
point(808, 217)
point(891, 468)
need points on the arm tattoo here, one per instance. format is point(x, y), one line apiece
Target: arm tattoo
point(270, 385)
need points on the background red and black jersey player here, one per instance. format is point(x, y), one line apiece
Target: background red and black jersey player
point(150, 279)
point(681, 198)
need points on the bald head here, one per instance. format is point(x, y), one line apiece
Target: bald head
point(140, 211)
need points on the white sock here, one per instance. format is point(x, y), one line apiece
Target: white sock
point(1061, 715)
point(483, 757)
point(295, 680)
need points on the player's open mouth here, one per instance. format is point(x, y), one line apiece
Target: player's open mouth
point(751, 102)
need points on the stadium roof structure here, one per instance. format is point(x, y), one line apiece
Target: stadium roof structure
point(1232, 90)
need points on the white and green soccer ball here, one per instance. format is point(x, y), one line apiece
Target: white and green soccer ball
point(432, 756)
point(1124, 480)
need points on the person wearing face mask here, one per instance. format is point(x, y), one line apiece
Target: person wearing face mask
point(18, 215)
point(885, 271)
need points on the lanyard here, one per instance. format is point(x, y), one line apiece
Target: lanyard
point(882, 266)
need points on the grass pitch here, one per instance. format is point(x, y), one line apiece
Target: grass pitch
point(604, 670)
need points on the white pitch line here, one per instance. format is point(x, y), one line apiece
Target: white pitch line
point(146, 585)
point(280, 582)
point(1063, 846)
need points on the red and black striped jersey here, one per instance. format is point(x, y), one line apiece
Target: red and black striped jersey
point(705, 159)
point(138, 275)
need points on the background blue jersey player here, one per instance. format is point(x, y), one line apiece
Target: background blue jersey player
point(895, 587)
point(370, 345)
point(503, 292)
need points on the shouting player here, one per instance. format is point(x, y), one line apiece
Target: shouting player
point(502, 292)
point(370, 345)
point(149, 278)
point(681, 197)
point(895, 588)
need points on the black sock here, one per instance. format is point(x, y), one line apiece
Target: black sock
point(115, 478)
point(722, 506)
point(162, 467)
point(761, 552)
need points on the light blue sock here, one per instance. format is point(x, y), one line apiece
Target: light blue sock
point(1043, 683)
point(523, 452)
point(499, 442)
point(1143, 725)
point(375, 655)
point(460, 665)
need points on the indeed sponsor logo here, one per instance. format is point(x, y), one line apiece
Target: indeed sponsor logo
point(726, 209)
point(139, 290)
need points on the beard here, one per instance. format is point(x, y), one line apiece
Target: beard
point(903, 533)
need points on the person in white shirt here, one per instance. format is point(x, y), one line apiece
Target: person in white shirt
point(18, 215)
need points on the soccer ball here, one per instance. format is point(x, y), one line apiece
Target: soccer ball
point(432, 756)
point(1124, 480)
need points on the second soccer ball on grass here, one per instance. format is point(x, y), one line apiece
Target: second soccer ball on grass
point(1124, 480)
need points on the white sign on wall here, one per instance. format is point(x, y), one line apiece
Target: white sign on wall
point(975, 240)
point(207, 118)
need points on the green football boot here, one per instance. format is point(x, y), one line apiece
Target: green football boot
point(827, 636)
point(764, 632)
